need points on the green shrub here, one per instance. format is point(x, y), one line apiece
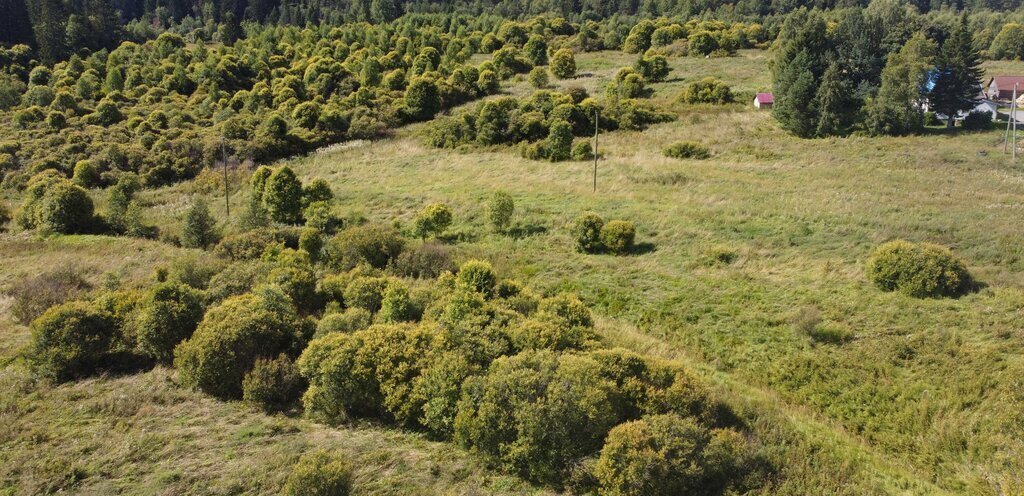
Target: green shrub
point(432, 220)
point(707, 90)
point(422, 98)
point(282, 196)
point(978, 120)
point(396, 306)
point(71, 340)
point(687, 149)
point(586, 230)
point(536, 413)
point(168, 315)
point(374, 244)
point(667, 455)
point(534, 334)
point(617, 236)
point(319, 215)
point(366, 292)
point(568, 309)
point(351, 320)
point(237, 278)
point(582, 151)
point(86, 175)
point(478, 276)
point(538, 78)
point(559, 142)
point(298, 281)
point(53, 204)
point(919, 270)
point(231, 336)
point(500, 209)
point(563, 64)
point(311, 241)
point(274, 385)
point(427, 261)
point(319, 474)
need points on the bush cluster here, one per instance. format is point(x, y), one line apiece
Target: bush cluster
point(593, 235)
point(687, 149)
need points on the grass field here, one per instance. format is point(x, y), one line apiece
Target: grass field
point(752, 272)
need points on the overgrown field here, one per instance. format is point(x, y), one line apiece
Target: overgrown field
point(750, 266)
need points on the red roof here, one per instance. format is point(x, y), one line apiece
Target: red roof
point(765, 98)
point(1005, 83)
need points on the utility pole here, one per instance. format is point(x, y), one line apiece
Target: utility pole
point(1013, 118)
point(227, 197)
point(596, 123)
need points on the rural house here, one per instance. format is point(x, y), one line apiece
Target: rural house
point(1001, 87)
point(764, 100)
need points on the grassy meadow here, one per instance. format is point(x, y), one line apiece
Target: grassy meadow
point(750, 268)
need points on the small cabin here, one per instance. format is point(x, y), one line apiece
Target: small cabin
point(764, 100)
point(1000, 88)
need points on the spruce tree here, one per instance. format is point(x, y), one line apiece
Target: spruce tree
point(200, 229)
point(958, 75)
point(833, 101)
point(796, 72)
point(48, 24)
point(15, 26)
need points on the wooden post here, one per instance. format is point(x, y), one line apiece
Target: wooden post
point(227, 197)
point(596, 123)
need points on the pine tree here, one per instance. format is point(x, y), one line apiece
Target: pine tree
point(15, 26)
point(104, 22)
point(385, 10)
point(48, 24)
point(200, 228)
point(958, 75)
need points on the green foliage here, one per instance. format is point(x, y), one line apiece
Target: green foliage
point(433, 220)
point(539, 78)
point(920, 270)
point(478, 276)
point(71, 340)
point(351, 320)
point(319, 474)
point(687, 149)
point(86, 174)
point(273, 385)
point(897, 110)
point(311, 241)
point(366, 292)
point(536, 413)
point(199, 229)
point(396, 305)
point(586, 230)
point(958, 74)
point(374, 244)
point(667, 455)
point(55, 205)
point(563, 64)
point(422, 98)
point(654, 68)
point(1009, 43)
point(568, 309)
point(426, 261)
point(707, 90)
point(978, 120)
point(499, 210)
point(231, 336)
point(617, 236)
point(559, 142)
point(167, 315)
point(582, 151)
point(282, 196)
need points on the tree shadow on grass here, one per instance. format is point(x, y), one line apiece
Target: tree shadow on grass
point(521, 231)
point(642, 249)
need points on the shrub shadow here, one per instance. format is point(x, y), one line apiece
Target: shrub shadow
point(526, 230)
point(642, 249)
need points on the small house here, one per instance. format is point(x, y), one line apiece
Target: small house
point(1000, 88)
point(764, 100)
